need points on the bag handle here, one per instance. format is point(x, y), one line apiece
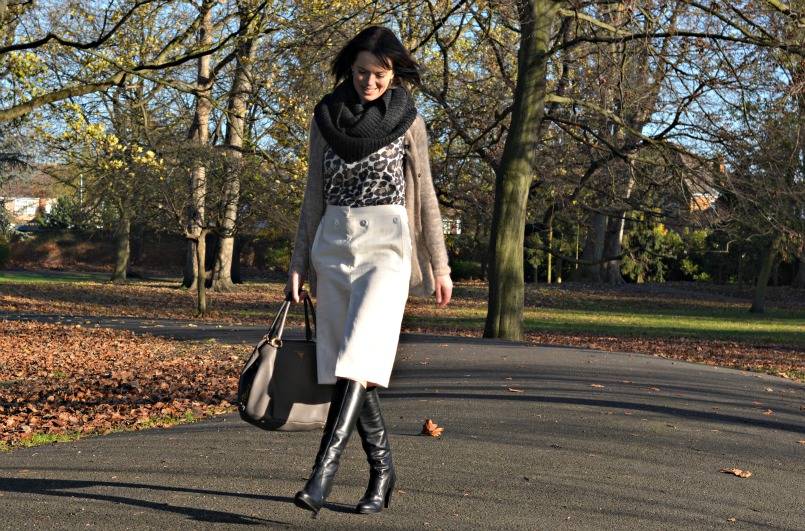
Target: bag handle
point(274, 335)
point(309, 334)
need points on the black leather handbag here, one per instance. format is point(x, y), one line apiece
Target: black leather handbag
point(278, 389)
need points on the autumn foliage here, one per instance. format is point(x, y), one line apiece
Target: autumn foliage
point(57, 379)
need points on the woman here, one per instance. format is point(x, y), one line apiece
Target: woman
point(369, 233)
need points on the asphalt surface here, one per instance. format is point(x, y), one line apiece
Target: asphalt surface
point(535, 437)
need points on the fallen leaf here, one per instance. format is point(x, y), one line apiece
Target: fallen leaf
point(649, 388)
point(515, 390)
point(801, 442)
point(431, 428)
point(596, 385)
point(736, 472)
point(767, 412)
point(732, 520)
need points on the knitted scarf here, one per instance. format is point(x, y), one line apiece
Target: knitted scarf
point(354, 130)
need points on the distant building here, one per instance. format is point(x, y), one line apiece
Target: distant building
point(27, 198)
point(451, 226)
point(700, 184)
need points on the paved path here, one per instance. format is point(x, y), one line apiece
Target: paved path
point(536, 437)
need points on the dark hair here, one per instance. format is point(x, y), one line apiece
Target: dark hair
point(384, 45)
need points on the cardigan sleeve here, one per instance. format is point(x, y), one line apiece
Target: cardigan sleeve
point(312, 206)
point(430, 215)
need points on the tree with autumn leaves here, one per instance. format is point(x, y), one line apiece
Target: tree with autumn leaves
point(555, 125)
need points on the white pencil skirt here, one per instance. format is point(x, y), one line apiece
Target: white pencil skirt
point(362, 258)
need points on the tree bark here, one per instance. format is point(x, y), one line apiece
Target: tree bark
point(201, 284)
point(613, 243)
point(123, 251)
point(590, 270)
point(199, 134)
point(233, 141)
point(506, 283)
point(759, 299)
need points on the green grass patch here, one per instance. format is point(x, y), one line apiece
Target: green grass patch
point(53, 276)
point(708, 322)
point(39, 439)
point(168, 420)
point(612, 314)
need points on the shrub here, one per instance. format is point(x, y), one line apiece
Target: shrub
point(278, 256)
point(465, 270)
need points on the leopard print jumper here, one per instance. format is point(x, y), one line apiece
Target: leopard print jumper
point(375, 180)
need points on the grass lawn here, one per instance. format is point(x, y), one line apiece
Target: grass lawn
point(53, 276)
point(689, 321)
point(627, 313)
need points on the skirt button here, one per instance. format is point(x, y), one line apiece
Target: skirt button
point(364, 223)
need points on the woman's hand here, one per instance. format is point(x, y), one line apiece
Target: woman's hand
point(292, 287)
point(444, 290)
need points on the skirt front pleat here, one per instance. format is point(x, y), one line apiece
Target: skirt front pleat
point(362, 258)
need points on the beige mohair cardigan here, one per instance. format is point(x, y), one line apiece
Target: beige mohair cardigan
point(429, 256)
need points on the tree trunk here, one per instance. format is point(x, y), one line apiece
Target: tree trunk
point(222, 269)
point(759, 299)
point(123, 249)
point(613, 244)
point(590, 269)
point(236, 119)
point(481, 238)
point(201, 284)
point(504, 317)
point(190, 272)
point(799, 280)
point(199, 134)
point(240, 242)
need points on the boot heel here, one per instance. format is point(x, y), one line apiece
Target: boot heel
point(390, 490)
point(387, 503)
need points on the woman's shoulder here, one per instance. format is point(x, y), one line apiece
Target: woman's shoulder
point(417, 131)
point(316, 139)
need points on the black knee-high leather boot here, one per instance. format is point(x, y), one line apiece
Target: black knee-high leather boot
point(348, 398)
point(375, 442)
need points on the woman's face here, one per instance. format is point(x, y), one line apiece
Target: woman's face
point(370, 76)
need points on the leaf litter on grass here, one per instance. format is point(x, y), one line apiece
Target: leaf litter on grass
point(57, 379)
point(75, 388)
